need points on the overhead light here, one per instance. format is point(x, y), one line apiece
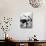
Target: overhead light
point(35, 3)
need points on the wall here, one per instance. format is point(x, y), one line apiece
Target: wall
point(14, 8)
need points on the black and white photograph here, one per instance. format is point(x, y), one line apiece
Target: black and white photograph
point(26, 20)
